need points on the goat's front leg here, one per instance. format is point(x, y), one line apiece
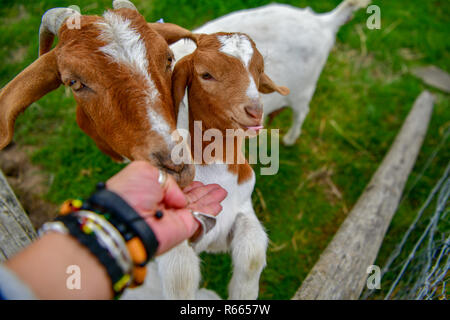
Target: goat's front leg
point(179, 270)
point(248, 250)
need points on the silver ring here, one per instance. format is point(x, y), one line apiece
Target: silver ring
point(207, 222)
point(162, 178)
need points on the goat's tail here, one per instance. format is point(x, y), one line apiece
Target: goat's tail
point(344, 12)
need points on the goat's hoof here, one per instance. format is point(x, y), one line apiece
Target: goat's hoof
point(289, 141)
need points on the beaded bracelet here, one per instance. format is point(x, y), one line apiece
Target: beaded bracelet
point(125, 218)
point(131, 253)
point(136, 249)
point(108, 236)
point(117, 228)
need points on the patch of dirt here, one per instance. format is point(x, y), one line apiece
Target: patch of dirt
point(29, 183)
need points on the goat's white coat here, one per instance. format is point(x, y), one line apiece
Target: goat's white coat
point(151, 289)
point(125, 45)
point(295, 44)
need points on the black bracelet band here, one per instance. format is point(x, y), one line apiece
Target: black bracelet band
point(105, 200)
point(114, 271)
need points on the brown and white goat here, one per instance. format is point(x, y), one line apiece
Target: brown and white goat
point(223, 78)
point(119, 68)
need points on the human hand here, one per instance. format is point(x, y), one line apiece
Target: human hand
point(138, 185)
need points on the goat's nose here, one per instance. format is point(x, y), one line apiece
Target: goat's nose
point(183, 173)
point(254, 111)
point(186, 175)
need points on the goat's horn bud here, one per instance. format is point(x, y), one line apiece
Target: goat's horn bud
point(52, 21)
point(54, 18)
point(119, 4)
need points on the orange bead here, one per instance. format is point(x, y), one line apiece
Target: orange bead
point(137, 250)
point(139, 274)
point(66, 208)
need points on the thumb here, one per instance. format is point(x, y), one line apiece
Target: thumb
point(173, 196)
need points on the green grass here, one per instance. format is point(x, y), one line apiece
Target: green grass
point(367, 97)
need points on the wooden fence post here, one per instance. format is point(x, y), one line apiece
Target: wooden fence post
point(341, 271)
point(16, 230)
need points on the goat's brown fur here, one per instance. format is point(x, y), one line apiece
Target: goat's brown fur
point(111, 109)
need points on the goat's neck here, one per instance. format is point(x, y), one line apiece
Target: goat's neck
point(232, 153)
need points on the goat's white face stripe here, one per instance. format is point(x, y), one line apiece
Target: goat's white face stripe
point(239, 46)
point(252, 90)
point(125, 45)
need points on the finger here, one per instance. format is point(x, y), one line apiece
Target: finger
point(200, 192)
point(174, 197)
point(211, 208)
point(216, 196)
point(213, 196)
point(189, 221)
point(192, 186)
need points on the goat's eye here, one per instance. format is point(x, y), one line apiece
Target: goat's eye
point(170, 61)
point(207, 76)
point(76, 85)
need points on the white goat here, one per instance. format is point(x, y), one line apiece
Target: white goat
point(295, 43)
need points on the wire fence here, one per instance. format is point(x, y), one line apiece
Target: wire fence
point(420, 269)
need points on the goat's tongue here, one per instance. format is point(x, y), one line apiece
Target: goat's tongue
point(256, 128)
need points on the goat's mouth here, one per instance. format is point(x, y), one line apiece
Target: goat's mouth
point(254, 127)
point(184, 177)
point(182, 173)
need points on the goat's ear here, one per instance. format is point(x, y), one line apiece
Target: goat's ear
point(29, 86)
point(266, 85)
point(181, 79)
point(171, 32)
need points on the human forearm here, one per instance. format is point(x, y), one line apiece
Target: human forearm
point(43, 266)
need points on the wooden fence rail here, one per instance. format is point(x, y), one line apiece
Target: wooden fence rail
point(341, 270)
point(16, 230)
